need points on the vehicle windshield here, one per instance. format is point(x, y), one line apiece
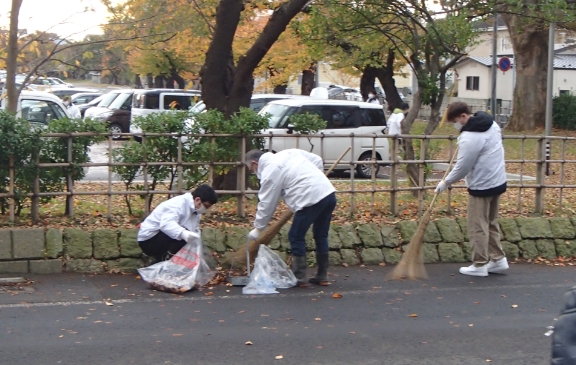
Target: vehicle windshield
point(108, 99)
point(57, 81)
point(276, 112)
point(120, 100)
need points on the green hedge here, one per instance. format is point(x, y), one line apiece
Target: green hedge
point(564, 112)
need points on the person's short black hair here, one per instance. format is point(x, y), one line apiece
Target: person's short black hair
point(404, 106)
point(206, 194)
point(456, 109)
point(252, 155)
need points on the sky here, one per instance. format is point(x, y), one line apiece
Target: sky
point(64, 17)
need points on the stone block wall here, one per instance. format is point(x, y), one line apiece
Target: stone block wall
point(47, 251)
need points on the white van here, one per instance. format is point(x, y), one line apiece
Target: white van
point(148, 101)
point(342, 118)
point(38, 107)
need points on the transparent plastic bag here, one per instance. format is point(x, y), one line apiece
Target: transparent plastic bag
point(186, 270)
point(269, 273)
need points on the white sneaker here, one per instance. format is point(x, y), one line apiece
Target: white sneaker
point(474, 271)
point(499, 266)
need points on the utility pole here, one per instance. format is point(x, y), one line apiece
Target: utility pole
point(494, 66)
point(549, 92)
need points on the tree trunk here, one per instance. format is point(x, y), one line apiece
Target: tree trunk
point(137, 82)
point(12, 58)
point(159, 82)
point(386, 77)
point(179, 80)
point(218, 71)
point(149, 81)
point(367, 81)
point(530, 46)
point(406, 125)
point(307, 81)
point(280, 89)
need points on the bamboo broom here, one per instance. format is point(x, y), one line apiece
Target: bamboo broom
point(270, 232)
point(411, 266)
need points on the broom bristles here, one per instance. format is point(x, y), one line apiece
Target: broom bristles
point(411, 266)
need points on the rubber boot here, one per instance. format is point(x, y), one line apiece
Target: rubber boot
point(299, 267)
point(321, 277)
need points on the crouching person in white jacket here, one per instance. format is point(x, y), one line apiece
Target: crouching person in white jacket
point(480, 161)
point(174, 223)
point(298, 177)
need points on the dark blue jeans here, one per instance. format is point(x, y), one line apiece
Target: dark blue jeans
point(319, 215)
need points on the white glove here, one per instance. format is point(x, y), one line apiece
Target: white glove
point(254, 234)
point(441, 187)
point(189, 236)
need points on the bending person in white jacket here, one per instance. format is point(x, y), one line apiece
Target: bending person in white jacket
point(480, 161)
point(296, 176)
point(174, 223)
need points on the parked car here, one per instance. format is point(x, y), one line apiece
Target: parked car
point(342, 118)
point(103, 105)
point(38, 107)
point(84, 98)
point(149, 101)
point(257, 102)
point(71, 91)
point(60, 82)
point(84, 107)
point(116, 114)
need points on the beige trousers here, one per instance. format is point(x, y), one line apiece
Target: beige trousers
point(483, 229)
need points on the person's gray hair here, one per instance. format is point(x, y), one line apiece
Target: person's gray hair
point(252, 155)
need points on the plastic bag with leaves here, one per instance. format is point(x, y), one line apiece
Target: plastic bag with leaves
point(187, 269)
point(269, 273)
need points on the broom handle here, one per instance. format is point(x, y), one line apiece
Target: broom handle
point(444, 177)
point(337, 161)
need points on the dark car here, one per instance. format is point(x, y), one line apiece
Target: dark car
point(115, 109)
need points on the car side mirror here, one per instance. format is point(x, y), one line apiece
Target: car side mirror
point(290, 129)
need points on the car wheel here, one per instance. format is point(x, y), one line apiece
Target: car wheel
point(116, 129)
point(365, 170)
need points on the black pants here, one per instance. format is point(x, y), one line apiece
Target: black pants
point(161, 244)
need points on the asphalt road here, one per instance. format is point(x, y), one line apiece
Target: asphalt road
point(448, 319)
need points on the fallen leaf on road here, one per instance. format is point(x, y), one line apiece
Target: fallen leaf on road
point(176, 334)
point(413, 315)
point(264, 315)
point(208, 293)
point(114, 285)
point(336, 295)
point(109, 303)
point(514, 305)
point(317, 319)
point(345, 264)
point(352, 333)
point(248, 343)
point(471, 325)
point(318, 347)
point(488, 360)
point(221, 321)
point(279, 357)
point(137, 277)
point(240, 311)
point(61, 336)
point(476, 302)
point(503, 296)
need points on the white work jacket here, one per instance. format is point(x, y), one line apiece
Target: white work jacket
point(171, 217)
point(296, 176)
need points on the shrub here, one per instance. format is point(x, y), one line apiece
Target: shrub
point(564, 112)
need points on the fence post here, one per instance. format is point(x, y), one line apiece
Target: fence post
point(11, 202)
point(69, 181)
point(241, 178)
point(35, 204)
point(109, 210)
point(421, 166)
point(352, 174)
point(145, 172)
point(540, 171)
point(394, 177)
